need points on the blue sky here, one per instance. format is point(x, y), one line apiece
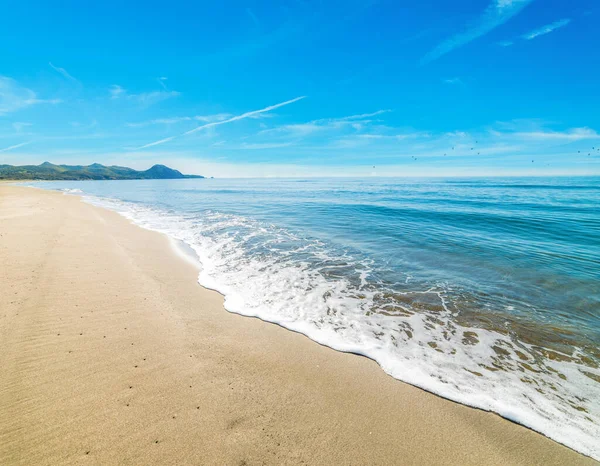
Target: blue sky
point(304, 88)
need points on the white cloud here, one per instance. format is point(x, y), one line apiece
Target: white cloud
point(78, 124)
point(574, 134)
point(116, 91)
point(372, 136)
point(175, 120)
point(63, 72)
point(547, 29)
point(503, 3)
point(158, 121)
point(161, 81)
point(361, 116)
point(357, 122)
point(151, 98)
point(266, 145)
point(298, 129)
point(19, 126)
point(253, 17)
point(538, 32)
point(457, 81)
point(497, 13)
point(377, 140)
point(145, 98)
point(14, 97)
point(211, 118)
point(457, 134)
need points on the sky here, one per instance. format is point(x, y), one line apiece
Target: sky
point(304, 88)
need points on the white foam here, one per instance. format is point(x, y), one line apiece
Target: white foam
point(185, 252)
point(71, 191)
point(272, 274)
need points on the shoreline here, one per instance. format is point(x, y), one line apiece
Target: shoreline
point(266, 394)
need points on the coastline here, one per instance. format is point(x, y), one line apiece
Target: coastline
point(110, 346)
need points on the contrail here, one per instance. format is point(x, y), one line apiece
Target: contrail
point(229, 120)
point(16, 146)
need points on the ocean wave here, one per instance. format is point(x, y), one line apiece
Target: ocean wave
point(71, 191)
point(424, 336)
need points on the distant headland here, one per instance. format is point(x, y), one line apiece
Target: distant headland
point(48, 171)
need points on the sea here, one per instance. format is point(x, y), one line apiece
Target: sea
point(482, 291)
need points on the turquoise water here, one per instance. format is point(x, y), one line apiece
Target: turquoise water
point(485, 291)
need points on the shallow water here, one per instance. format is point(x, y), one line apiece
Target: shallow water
point(485, 291)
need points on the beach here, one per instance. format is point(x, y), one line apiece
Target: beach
point(111, 353)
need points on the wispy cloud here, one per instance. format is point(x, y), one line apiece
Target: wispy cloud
point(538, 32)
point(145, 98)
point(14, 97)
point(150, 98)
point(378, 140)
point(211, 118)
point(574, 134)
point(222, 122)
point(262, 146)
point(158, 121)
point(78, 124)
point(497, 13)
point(63, 72)
point(396, 137)
point(162, 82)
point(361, 116)
point(116, 91)
point(324, 124)
point(175, 120)
point(20, 125)
point(253, 17)
point(16, 146)
point(454, 81)
point(296, 129)
point(516, 139)
point(547, 29)
point(505, 43)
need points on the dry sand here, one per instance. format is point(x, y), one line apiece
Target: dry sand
point(111, 353)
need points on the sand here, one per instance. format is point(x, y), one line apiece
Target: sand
point(111, 353)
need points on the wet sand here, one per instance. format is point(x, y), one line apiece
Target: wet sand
point(111, 353)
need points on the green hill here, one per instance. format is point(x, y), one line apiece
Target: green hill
point(96, 171)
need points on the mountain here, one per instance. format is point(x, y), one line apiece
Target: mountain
point(96, 171)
